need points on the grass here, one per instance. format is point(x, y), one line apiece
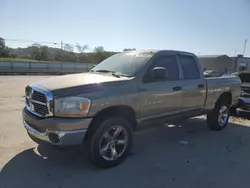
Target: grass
point(17, 59)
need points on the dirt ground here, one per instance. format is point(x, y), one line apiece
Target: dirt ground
point(185, 154)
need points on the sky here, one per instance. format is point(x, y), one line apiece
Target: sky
point(198, 26)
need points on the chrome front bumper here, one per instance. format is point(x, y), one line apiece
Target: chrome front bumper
point(56, 131)
point(65, 138)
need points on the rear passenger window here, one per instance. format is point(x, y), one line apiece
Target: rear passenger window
point(189, 67)
point(170, 63)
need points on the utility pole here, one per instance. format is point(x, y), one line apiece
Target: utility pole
point(61, 46)
point(245, 45)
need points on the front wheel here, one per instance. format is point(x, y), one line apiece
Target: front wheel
point(218, 118)
point(110, 142)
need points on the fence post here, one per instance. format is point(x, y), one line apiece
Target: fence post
point(11, 65)
point(29, 65)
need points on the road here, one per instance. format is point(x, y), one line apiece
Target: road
point(185, 154)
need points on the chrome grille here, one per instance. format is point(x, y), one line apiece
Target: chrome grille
point(39, 97)
point(41, 109)
point(39, 101)
point(245, 89)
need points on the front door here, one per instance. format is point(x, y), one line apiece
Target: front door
point(161, 97)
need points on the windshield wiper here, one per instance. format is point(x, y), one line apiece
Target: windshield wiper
point(113, 73)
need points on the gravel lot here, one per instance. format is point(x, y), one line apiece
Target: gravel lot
point(186, 154)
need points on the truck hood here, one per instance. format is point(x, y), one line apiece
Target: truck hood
point(72, 82)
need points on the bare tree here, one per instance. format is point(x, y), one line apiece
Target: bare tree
point(99, 49)
point(80, 48)
point(68, 47)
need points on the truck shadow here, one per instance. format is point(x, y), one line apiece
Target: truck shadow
point(185, 153)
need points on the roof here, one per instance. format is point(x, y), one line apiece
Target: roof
point(234, 57)
point(144, 51)
point(156, 51)
point(212, 56)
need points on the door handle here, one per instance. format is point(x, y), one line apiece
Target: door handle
point(177, 88)
point(201, 86)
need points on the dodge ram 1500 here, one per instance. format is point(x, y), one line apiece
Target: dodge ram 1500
point(103, 107)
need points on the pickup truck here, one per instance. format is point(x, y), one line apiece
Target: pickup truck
point(242, 107)
point(101, 109)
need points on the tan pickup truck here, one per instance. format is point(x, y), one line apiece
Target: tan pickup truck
point(102, 108)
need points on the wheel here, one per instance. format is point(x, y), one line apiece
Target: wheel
point(110, 141)
point(218, 118)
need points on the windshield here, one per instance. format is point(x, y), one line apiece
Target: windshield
point(125, 64)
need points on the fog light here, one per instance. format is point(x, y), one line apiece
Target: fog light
point(54, 138)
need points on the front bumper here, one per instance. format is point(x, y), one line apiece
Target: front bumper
point(243, 107)
point(56, 131)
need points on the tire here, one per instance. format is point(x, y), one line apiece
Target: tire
point(107, 151)
point(218, 118)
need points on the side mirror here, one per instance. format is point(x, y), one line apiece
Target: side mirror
point(159, 73)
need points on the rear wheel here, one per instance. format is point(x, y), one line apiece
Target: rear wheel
point(110, 141)
point(218, 118)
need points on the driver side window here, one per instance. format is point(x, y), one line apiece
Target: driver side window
point(168, 62)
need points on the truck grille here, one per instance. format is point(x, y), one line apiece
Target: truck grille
point(245, 89)
point(39, 96)
point(39, 101)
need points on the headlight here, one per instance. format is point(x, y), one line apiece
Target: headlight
point(72, 107)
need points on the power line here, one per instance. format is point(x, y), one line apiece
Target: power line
point(33, 41)
point(20, 40)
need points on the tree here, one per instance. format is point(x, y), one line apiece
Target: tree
point(59, 56)
point(99, 49)
point(44, 54)
point(68, 48)
point(36, 45)
point(6, 52)
point(80, 48)
point(128, 49)
point(2, 46)
point(81, 57)
point(99, 54)
point(35, 53)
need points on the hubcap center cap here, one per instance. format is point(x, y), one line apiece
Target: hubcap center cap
point(112, 142)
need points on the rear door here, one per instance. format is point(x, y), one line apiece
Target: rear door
point(159, 98)
point(193, 84)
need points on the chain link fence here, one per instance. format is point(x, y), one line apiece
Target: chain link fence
point(43, 67)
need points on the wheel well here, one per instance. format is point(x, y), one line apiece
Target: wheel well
point(124, 111)
point(225, 96)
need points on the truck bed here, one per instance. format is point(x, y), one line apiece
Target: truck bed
point(217, 85)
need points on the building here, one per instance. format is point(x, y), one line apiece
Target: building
point(241, 63)
point(220, 63)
